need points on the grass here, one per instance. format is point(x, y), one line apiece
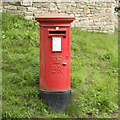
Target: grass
point(94, 72)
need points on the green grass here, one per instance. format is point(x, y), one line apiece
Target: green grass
point(94, 72)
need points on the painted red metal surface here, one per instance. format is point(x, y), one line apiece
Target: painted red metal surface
point(54, 66)
point(55, 18)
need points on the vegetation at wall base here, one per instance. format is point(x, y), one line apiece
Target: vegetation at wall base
point(94, 72)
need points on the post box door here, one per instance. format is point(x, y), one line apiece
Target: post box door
point(56, 60)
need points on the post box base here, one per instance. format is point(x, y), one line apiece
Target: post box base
point(56, 100)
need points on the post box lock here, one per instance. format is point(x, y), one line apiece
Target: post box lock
point(57, 28)
point(64, 63)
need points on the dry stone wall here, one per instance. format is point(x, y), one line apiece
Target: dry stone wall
point(92, 16)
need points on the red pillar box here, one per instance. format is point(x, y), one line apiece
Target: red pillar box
point(55, 60)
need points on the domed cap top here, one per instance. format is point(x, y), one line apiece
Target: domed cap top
point(54, 17)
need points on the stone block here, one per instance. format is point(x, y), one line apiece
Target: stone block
point(74, 5)
point(93, 10)
point(63, 10)
point(38, 13)
point(95, 17)
point(77, 15)
point(37, 4)
point(72, 9)
point(1, 8)
point(45, 5)
point(6, 7)
point(31, 9)
point(79, 5)
point(79, 11)
point(20, 13)
point(18, 3)
point(12, 7)
point(5, 3)
point(109, 27)
point(86, 10)
point(72, 15)
point(28, 14)
point(12, 3)
point(43, 9)
point(62, 6)
point(21, 8)
point(109, 5)
point(10, 11)
point(103, 4)
point(27, 2)
point(52, 7)
point(68, 11)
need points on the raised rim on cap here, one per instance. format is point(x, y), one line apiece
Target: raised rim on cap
point(55, 17)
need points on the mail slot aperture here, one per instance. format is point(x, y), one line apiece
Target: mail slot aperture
point(52, 32)
point(57, 32)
